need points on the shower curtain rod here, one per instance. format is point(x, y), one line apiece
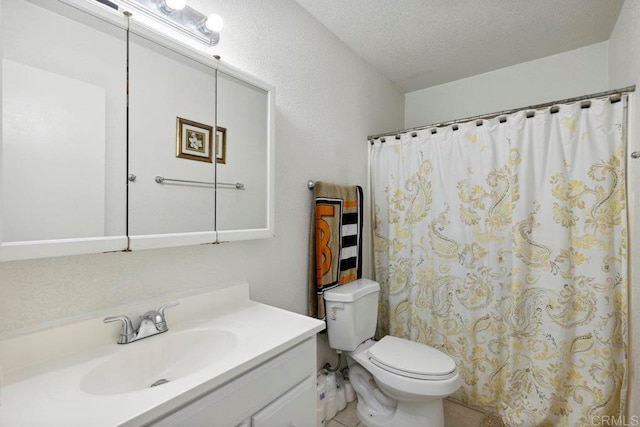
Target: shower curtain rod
point(397, 133)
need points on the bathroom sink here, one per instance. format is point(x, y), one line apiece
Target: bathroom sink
point(155, 361)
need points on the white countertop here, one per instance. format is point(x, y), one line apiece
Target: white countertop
point(43, 371)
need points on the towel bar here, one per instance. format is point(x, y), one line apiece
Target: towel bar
point(311, 184)
point(237, 185)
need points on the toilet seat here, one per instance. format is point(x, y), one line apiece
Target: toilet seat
point(411, 359)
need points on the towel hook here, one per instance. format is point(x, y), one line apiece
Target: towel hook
point(311, 184)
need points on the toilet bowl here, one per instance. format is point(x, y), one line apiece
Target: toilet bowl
point(399, 383)
point(397, 397)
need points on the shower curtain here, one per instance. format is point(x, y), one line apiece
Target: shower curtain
point(503, 244)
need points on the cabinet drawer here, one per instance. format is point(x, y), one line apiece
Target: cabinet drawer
point(296, 408)
point(229, 405)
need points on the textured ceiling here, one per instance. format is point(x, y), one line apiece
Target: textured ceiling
point(423, 43)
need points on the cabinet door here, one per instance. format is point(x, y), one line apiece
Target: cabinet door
point(63, 129)
point(296, 408)
point(172, 110)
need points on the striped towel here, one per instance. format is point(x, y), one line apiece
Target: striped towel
point(335, 241)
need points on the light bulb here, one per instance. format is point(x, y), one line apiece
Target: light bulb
point(174, 5)
point(214, 23)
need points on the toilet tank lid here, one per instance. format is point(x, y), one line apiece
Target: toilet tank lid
point(351, 291)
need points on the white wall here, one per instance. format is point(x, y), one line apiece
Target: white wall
point(624, 70)
point(328, 100)
point(574, 73)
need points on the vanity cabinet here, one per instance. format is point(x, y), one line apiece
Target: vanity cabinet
point(256, 367)
point(280, 392)
point(292, 409)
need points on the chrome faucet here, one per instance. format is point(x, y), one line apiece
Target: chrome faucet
point(151, 323)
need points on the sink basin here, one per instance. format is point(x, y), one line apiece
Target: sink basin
point(159, 359)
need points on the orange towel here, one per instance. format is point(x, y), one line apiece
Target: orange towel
point(335, 241)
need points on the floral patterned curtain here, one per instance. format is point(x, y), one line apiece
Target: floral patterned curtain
point(504, 245)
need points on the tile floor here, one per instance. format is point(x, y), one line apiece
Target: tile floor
point(455, 415)
point(346, 418)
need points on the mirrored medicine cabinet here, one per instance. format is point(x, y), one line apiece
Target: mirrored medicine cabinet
point(190, 161)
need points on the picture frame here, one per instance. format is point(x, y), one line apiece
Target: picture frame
point(221, 145)
point(194, 140)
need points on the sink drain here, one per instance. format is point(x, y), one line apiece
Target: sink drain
point(159, 382)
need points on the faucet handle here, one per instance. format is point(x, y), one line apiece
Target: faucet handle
point(127, 333)
point(167, 305)
point(158, 317)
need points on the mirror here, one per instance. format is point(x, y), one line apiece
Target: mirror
point(176, 98)
point(172, 112)
point(63, 144)
point(243, 117)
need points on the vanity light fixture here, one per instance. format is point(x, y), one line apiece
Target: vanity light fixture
point(170, 6)
point(179, 16)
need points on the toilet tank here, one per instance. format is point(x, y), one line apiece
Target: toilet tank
point(352, 313)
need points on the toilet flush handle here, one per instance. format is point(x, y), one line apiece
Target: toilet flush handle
point(335, 307)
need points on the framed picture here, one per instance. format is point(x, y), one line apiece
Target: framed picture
point(194, 141)
point(221, 145)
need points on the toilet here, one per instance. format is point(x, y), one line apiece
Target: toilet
point(399, 383)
